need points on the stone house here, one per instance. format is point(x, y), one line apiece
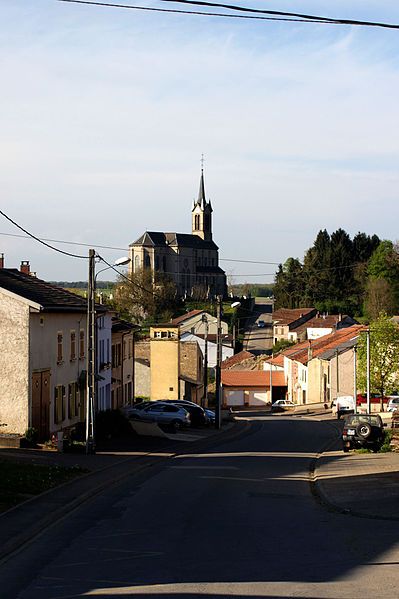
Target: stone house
point(42, 355)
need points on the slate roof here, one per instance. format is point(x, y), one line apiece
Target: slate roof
point(252, 378)
point(50, 297)
point(159, 239)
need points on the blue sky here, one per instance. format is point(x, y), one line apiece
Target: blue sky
point(104, 115)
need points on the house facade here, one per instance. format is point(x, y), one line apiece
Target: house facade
point(190, 260)
point(122, 390)
point(42, 355)
point(251, 388)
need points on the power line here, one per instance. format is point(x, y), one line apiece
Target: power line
point(40, 240)
point(302, 16)
point(258, 14)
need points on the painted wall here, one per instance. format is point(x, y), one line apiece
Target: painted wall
point(164, 357)
point(14, 364)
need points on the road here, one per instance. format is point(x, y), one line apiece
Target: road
point(238, 520)
point(260, 340)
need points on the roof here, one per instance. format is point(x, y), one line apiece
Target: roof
point(276, 360)
point(333, 341)
point(158, 238)
point(123, 326)
point(50, 297)
point(331, 321)
point(286, 316)
point(180, 319)
point(252, 378)
point(236, 359)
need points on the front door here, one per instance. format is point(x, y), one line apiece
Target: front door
point(41, 403)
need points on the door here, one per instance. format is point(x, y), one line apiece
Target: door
point(41, 403)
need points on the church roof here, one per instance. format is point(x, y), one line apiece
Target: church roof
point(157, 238)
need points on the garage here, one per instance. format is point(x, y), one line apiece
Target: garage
point(233, 398)
point(257, 398)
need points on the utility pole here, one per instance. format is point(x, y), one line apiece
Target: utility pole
point(337, 354)
point(91, 355)
point(205, 399)
point(271, 380)
point(355, 376)
point(368, 371)
point(218, 361)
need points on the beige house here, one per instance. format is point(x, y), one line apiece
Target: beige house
point(195, 322)
point(190, 260)
point(42, 355)
point(122, 391)
point(285, 321)
point(251, 388)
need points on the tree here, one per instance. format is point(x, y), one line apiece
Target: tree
point(379, 298)
point(384, 357)
point(139, 296)
point(384, 264)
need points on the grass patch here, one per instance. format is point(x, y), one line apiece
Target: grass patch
point(19, 482)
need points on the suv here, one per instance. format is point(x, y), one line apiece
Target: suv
point(162, 413)
point(362, 430)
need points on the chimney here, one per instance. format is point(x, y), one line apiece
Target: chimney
point(1, 260)
point(25, 267)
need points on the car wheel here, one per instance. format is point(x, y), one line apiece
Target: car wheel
point(363, 430)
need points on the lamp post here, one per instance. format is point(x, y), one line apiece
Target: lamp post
point(91, 346)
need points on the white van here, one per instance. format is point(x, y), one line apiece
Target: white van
point(344, 405)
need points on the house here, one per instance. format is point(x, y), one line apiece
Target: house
point(309, 380)
point(103, 358)
point(122, 391)
point(42, 354)
point(251, 388)
point(285, 320)
point(195, 322)
point(227, 349)
point(190, 260)
point(320, 325)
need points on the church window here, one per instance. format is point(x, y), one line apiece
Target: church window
point(136, 263)
point(147, 261)
point(197, 222)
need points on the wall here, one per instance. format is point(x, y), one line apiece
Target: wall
point(345, 374)
point(104, 328)
point(227, 352)
point(142, 374)
point(164, 358)
point(14, 364)
point(44, 329)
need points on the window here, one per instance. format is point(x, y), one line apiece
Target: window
point(73, 346)
point(136, 264)
point(59, 404)
point(197, 222)
point(60, 349)
point(72, 400)
point(81, 344)
point(116, 355)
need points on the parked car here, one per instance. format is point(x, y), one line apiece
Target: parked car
point(282, 404)
point(261, 324)
point(393, 403)
point(127, 410)
point(344, 405)
point(362, 430)
point(197, 413)
point(162, 413)
point(210, 414)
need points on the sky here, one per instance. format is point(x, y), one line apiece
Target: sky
point(105, 113)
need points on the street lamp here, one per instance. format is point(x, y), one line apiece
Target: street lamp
point(91, 344)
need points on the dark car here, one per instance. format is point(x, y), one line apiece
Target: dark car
point(198, 416)
point(362, 430)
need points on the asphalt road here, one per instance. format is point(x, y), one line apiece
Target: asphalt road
point(238, 520)
point(260, 340)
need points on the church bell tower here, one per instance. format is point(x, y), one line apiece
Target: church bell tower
point(202, 214)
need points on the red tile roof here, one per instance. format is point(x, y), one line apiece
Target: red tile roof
point(300, 351)
point(180, 319)
point(276, 360)
point(236, 359)
point(252, 378)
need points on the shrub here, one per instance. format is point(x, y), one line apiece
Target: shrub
point(31, 436)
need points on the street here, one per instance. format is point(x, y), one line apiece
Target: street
point(256, 339)
point(238, 519)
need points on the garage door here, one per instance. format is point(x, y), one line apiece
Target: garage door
point(234, 398)
point(257, 398)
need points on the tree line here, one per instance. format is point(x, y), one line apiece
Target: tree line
point(358, 276)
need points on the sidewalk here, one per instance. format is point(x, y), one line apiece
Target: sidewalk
point(22, 523)
point(365, 485)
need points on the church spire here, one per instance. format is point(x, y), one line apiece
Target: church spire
point(201, 194)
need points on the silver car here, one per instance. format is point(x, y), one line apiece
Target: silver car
point(162, 413)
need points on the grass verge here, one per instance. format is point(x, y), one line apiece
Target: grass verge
point(19, 482)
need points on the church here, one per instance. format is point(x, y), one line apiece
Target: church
point(191, 261)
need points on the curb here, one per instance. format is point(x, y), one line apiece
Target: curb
point(52, 517)
point(322, 497)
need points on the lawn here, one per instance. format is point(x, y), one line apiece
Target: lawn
point(19, 482)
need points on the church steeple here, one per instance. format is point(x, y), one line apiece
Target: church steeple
point(202, 212)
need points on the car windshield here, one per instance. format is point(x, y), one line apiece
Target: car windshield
point(359, 418)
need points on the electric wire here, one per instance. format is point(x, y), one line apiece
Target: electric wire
point(259, 14)
point(192, 12)
point(40, 240)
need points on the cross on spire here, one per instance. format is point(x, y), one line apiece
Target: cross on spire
point(202, 162)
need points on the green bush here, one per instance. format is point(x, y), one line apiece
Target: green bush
point(31, 436)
